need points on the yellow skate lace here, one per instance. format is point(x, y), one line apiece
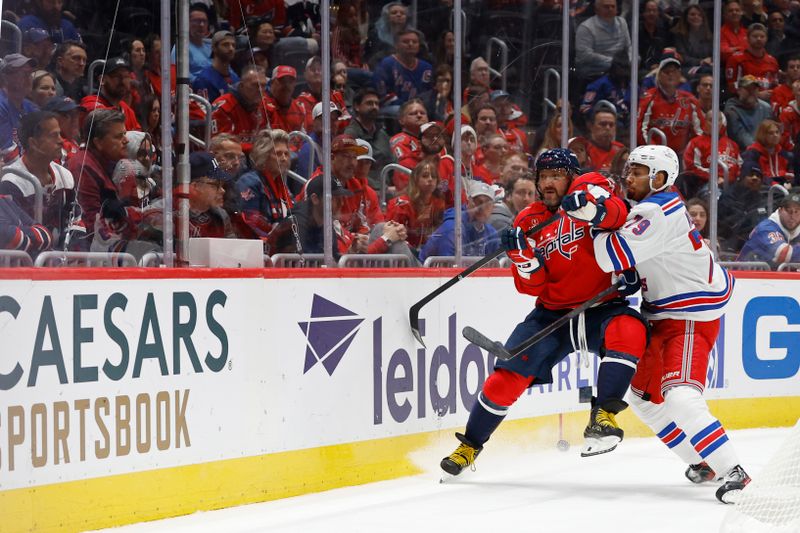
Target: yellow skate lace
point(464, 456)
point(604, 418)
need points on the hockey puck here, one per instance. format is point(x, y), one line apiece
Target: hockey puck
point(562, 445)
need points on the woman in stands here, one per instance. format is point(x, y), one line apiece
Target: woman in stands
point(421, 209)
point(769, 155)
point(693, 37)
point(44, 87)
point(552, 135)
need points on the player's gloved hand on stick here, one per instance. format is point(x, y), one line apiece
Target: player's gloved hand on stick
point(527, 260)
point(631, 282)
point(581, 205)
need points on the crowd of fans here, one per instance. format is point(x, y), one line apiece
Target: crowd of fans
point(98, 154)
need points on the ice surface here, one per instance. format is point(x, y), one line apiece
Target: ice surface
point(639, 488)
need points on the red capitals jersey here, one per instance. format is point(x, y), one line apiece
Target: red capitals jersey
point(744, 63)
point(98, 101)
point(229, 116)
point(570, 275)
point(781, 97)
point(790, 119)
point(288, 119)
point(407, 150)
point(361, 211)
point(420, 224)
point(697, 156)
point(600, 158)
point(680, 118)
point(308, 101)
point(732, 41)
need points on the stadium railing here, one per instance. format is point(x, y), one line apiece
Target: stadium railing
point(85, 259)
point(375, 261)
point(152, 259)
point(449, 261)
point(298, 260)
point(789, 267)
point(14, 258)
point(745, 265)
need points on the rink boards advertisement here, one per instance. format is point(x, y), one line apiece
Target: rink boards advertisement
point(272, 384)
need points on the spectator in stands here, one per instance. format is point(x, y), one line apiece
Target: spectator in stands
point(244, 112)
point(381, 40)
point(693, 38)
point(406, 144)
point(740, 207)
point(148, 113)
point(18, 231)
point(137, 58)
point(485, 124)
point(199, 44)
point(753, 13)
point(479, 73)
point(790, 119)
point(285, 112)
point(495, 149)
point(654, 35)
point(754, 60)
point(478, 237)
point(365, 125)
point(37, 45)
point(47, 16)
point(745, 112)
point(613, 87)
point(346, 36)
point(67, 113)
point(602, 145)
point(115, 86)
point(776, 240)
point(475, 97)
point(517, 139)
point(262, 37)
point(766, 151)
point(697, 159)
point(598, 38)
point(240, 10)
point(304, 155)
point(421, 208)
point(43, 88)
point(227, 150)
point(206, 192)
point(439, 100)
point(263, 197)
point(313, 94)
point(552, 133)
point(698, 212)
point(666, 107)
point(92, 165)
point(15, 88)
point(519, 193)
point(469, 171)
point(339, 73)
point(70, 68)
point(704, 91)
point(776, 22)
point(784, 92)
point(402, 76)
point(218, 78)
point(734, 34)
point(133, 175)
point(40, 136)
point(445, 49)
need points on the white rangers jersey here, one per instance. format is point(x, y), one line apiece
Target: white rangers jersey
point(680, 279)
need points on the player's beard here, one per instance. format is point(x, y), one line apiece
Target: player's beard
point(551, 198)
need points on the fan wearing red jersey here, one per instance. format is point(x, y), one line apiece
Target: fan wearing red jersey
point(557, 265)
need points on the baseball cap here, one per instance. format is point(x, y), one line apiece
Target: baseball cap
point(748, 80)
point(751, 167)
point(425, 127)
point(220, 35)
point(283, 70)
point(346, 143)
point(793, 197)
point(317, 110)
point(317, 186)
point(669, 56)
point(35, 35)
point(60, 104)
point(495, 95)
point(116, 63)
point(367, 156)
point(203, 165)
point(16, 61)
point(479, 188)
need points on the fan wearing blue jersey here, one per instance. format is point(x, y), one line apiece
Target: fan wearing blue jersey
point(684, 293)
point(402, 76)
point(776, 239)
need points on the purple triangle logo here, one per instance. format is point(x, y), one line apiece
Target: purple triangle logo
point(329, 332)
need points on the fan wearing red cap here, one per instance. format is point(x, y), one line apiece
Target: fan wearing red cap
point(285, 112)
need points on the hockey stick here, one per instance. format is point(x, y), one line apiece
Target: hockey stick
point(496, 347)
point(413, 312)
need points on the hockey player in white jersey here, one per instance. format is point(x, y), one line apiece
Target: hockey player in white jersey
point(684, 292)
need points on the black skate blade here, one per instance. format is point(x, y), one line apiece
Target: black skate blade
point(594, 446)
point(479, 339)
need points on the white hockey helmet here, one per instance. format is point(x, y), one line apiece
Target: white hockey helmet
point(657, 158)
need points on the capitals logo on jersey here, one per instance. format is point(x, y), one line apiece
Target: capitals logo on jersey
point(564, 239)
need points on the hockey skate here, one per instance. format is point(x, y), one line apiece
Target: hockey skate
point(464, 456)
point(700, 473)
point(732, 485)
point(602, 434)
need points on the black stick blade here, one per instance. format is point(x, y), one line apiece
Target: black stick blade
point(479, 339)
point(413, 319)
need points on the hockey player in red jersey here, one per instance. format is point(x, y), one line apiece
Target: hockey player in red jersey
point(684, 292)
point(557, 266)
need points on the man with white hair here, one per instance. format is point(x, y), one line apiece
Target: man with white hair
point(684, 293)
